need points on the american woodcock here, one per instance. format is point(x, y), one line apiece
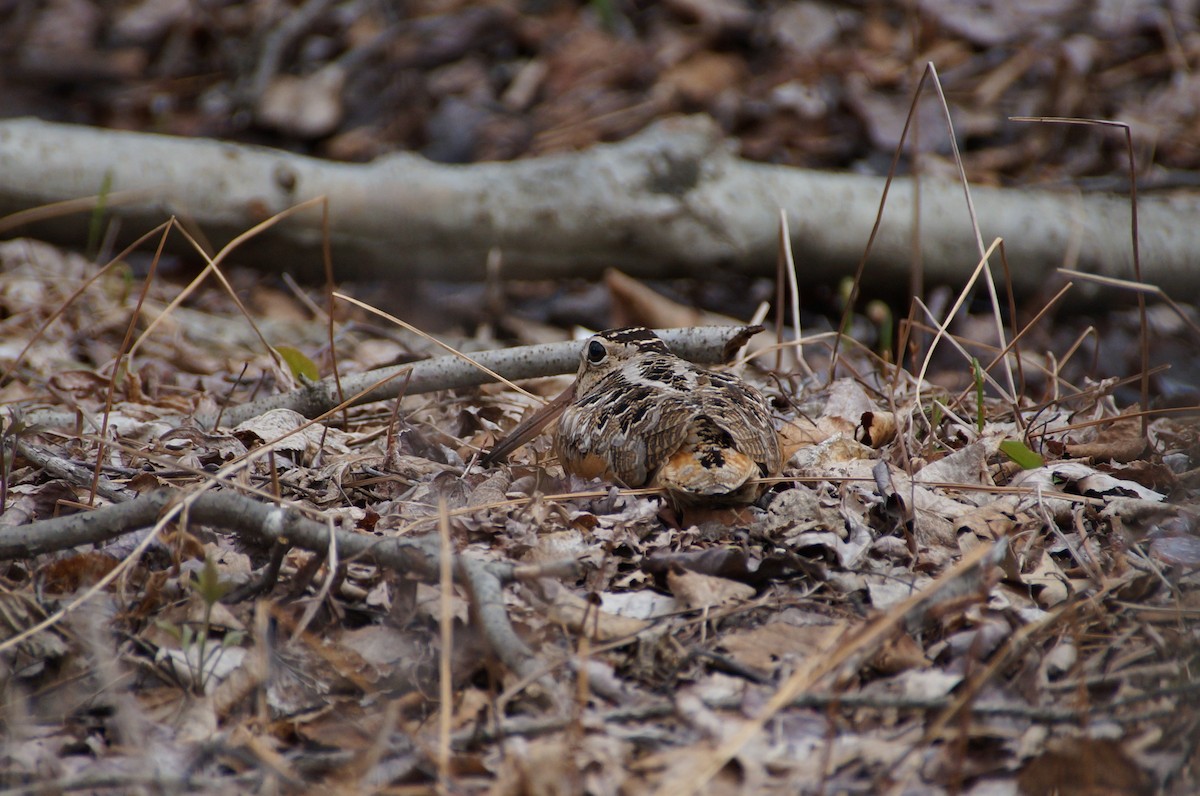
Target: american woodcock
point(645, 417)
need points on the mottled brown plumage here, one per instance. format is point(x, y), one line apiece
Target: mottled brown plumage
point(644, 417)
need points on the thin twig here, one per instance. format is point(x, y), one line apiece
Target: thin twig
point(530, 727)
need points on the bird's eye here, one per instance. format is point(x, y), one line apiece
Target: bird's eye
point(596, 352)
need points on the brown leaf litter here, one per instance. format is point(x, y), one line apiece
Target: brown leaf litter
point(261, 605)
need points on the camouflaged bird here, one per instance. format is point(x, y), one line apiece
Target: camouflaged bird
point(644, 417)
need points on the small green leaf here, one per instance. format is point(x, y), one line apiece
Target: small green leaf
point(1020, 453)
point(301, 366)
point(170, 628)
point(606, 12)
point(207, 583)
point(881, 314)
point(96, 224)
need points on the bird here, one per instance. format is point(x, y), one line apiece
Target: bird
point(641, 416)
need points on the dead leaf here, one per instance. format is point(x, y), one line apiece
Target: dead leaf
point(876, 429)
point(898, 655)
point(635, 304)
point(306, 107)
point(1084, 767)
point(1082, 479)
point(542, 767)
point(773, 645)
point(69, 575)
point(702, 78)
point(279, 427)
point(705, 591)
point(581, 616)
point(797, 434)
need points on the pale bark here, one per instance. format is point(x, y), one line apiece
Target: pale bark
point(672, 200)
point(265, 524)
point(706, 344)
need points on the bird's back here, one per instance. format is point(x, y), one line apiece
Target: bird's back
point(659, 420)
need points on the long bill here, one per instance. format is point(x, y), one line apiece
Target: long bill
point(530, 427)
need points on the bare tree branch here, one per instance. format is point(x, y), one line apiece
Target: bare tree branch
point(672, 200)
point(706, 344)
point(265, 524)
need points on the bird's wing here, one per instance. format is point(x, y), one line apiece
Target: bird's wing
point(742, 412)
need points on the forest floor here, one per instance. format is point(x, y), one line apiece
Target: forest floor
point(977, 573)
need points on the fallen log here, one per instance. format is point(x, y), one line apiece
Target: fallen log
point(673, 200)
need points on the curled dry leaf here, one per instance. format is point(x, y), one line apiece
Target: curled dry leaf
point(899, 655)
point(1045, 579)
point(558, 546)
point(846, 403)
point(803, 509)
point(278, 427)
point(695, 591)
point(824, 458)
point(966, 466)
point(1081, 479)
point(876, 428)
point(988, 524)
point(582, 616)
point(797, 434)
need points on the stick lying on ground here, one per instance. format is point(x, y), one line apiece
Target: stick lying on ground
point(703, 344)
point(264, 523)
point(709, 344)
point(673, 200)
